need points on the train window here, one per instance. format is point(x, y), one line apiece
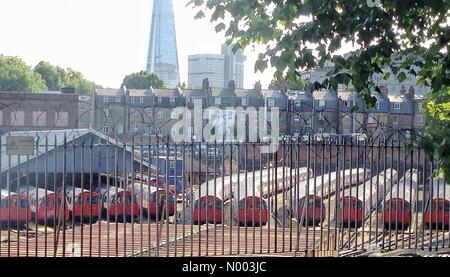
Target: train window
point(4, 204)
point(359, 205)
point(447, 206)
point(218, 204)
point(23, 203)
point(407, 206)
point(78, 200)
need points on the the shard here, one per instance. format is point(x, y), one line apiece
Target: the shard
point(162, 54)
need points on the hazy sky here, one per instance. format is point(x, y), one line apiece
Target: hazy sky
point(104, 39)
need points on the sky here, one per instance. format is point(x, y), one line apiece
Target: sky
point(104, 39)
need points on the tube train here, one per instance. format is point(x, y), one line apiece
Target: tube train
point(119, 204)
point(397, 208)
point(358, 202)
point(209, 200)
point(437, 213)
point(45, 205)
point(83, 204)
point(153, 199)
point(319, 188)
point(14, 208)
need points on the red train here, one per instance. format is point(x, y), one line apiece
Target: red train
point(251, 208)
point(315, 213)
point(45, 205)
point(81, 205)
point(14, 208)
point(153, 199)
point(397, 209)
point(437, 214)
point(352, 212)
point(120, 203)
point(209, 209)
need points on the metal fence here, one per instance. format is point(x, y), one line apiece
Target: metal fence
point(89, 195)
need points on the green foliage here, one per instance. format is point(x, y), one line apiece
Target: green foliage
point(143, 80)
point(403, 36)
point(57, 78)
point(292, 84)
point(15, 75)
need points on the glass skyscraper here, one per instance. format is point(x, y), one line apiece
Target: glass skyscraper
point(162, 53)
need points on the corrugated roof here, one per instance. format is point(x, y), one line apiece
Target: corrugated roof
point(47, 140)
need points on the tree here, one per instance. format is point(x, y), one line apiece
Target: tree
point(296, 84)
point(411, 36)
point(57, 78)
point(15, 75)
point(143, 80)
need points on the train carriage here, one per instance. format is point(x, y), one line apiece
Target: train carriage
point(14, 208)
point(399, 201)
point(46, 205)
point(208, 202)
point(438, 210)
point(358, 202)
point(153, 199)
point(320, 188)
point(249, 206)
point(83, 204)
point(118, 203)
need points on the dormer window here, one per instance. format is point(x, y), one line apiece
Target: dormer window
point(322, 103)
point(217, 101)
point(396, 106)
point(271, 102)
point(377, 105)
point(141, 100)
point(347, 104)
point(172, 100)
point(133, 100)
point(244, 102)
point(105, 99)
point(118, 99)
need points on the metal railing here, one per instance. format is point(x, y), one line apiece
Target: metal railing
point(89, 195)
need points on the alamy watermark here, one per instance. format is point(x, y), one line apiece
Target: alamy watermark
point(230, 125)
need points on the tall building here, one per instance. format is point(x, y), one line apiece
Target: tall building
point(234, 66)
point(220, 69)
point(211, 66)
point(162, 53)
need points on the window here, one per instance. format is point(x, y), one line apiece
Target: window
point(1, 118)
point(322, 103)
point(309, 123)
point(118, 99)
point(136, 129)
point(158, 131)
point(371, 120)
point(396, 106)
point(296, 117)
point(133, 100)
point(39, 119)
point(395, 119)
point(408, 135)
point(17, 118)
point(141, 100)
point(217, 101)
point(271, 102)
point(244, 102)
point(105, 99)
point(159, 100)
point(61, 119)
point(160, 114)
point(419, 119)
point(347, 104)
point(172, 100)
point(106, 129)
point(395, 137)
point(172, 164)
point(377, 105)
point(148, 130)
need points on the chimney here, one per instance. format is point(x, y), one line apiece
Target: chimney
point(68, 90)
point(205, 85)
point(284, 88)
point(384, 91)
point(411, 93)
point(232, 85)
point(258, 87)
point(403, 91)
